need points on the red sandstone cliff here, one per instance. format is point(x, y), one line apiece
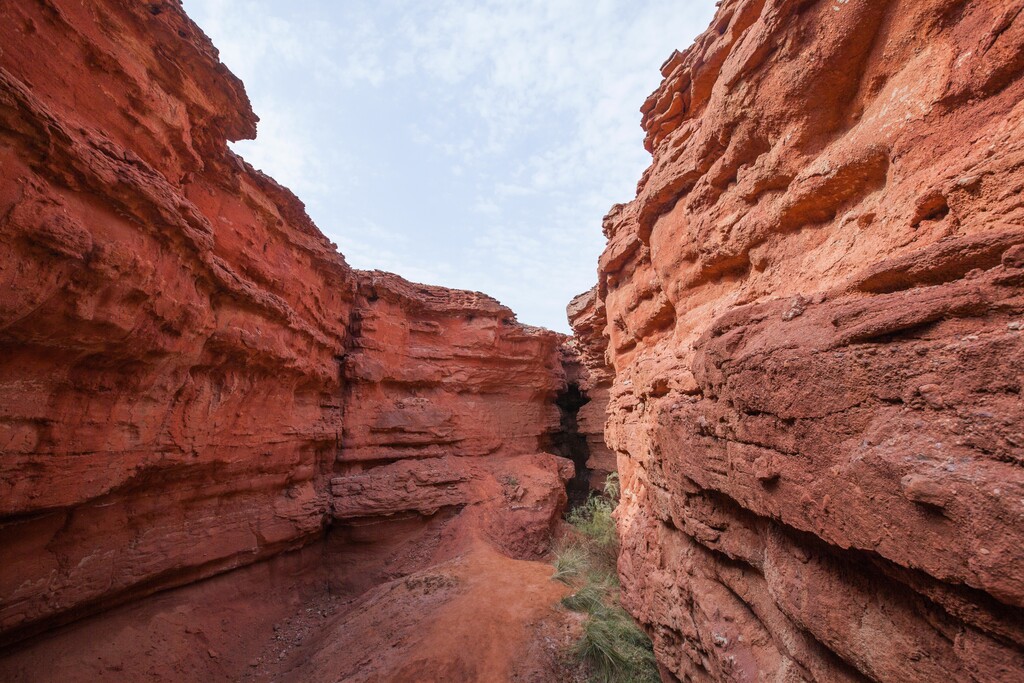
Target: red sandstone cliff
point(192, 378)
point(814, 311)
point(588, 348)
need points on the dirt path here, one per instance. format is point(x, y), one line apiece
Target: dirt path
point(478, 617)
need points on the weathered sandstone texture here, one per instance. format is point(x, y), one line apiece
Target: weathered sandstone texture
point(587, 368)
point(814, 309)
point(191, 378)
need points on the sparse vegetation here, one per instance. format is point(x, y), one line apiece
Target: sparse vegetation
point(613, 648)
point(570, 562)
point(616, 649)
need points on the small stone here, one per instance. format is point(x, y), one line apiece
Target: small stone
point(766, 470)
point(922, 489)
point(659, 387)
point(1014, 256)
point(968, 182)
point(796, 308)
point(686, 383)
point(932, 394)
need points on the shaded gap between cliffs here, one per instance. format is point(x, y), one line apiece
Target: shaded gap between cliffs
point(569, 443)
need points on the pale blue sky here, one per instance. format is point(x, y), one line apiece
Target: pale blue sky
point(469, 144)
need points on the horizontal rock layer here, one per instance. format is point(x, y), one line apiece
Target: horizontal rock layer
point(587, 366)
point(430, 371)
point(189, 371)
point(813, 310)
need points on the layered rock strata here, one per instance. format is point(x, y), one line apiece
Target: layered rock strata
point(586, 354)
point(191, 377)
point(814, 309)
point(431, 371)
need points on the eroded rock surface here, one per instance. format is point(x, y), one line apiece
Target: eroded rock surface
point(587, 357)
point(191, 377)
point(813, 309)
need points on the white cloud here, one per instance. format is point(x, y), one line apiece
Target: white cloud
point(372, 247)
point(489, 136)
point(286, 151)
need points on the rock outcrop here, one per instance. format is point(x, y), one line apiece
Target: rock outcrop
point(434, 372)
point(814, 311)
point(191, 377)
point(587, 353)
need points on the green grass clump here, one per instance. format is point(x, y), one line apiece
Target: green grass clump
point(616, 649)
point(594, 520)
point(570, 562)
point(613, 647)
point(590, 598)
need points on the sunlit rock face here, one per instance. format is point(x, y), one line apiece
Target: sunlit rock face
point(813, 310)
point(191, 377)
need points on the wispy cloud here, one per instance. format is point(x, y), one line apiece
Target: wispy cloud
point(489, 137)
point(287, 150)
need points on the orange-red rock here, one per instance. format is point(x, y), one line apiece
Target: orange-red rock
point(431, 371)
point(813, 309)
point(191, 377)
point(587, 355)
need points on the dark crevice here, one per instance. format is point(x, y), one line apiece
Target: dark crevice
point(569, 443)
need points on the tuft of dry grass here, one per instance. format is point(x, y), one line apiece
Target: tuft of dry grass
point(613, 647)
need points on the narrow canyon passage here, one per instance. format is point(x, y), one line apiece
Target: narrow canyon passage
point(225, 454)
point(569, 443)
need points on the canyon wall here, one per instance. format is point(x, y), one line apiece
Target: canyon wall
point(814, 313)
point(191, 377)
point(587, 353)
